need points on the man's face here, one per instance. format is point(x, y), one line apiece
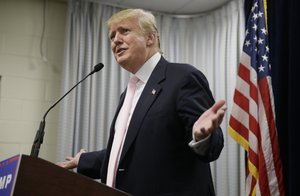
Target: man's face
point(129, 44)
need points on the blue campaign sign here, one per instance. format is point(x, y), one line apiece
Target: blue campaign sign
point(8, 170)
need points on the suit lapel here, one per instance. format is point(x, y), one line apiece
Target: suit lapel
point(148, 97)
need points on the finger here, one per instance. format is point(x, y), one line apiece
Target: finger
point(215, 122)
point(223, 108)
point(69, 158)
point(62, 164)
point(203, 131)
point(199, 135)
point(219, 104)
point(221, 114)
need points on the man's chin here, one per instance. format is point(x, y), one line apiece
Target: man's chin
point(121, 60)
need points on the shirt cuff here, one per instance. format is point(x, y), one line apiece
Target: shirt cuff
point(201, 146)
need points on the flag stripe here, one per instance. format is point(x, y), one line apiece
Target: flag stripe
point(241, 100)
point(241, 115)
point(245, 74)
point(237, 125)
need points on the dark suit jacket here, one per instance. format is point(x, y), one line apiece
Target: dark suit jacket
point(156, 158)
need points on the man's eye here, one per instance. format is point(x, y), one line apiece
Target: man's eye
point(112, 37)
point(126, 30)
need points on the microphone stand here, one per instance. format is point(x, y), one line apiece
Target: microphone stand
point(39, 136)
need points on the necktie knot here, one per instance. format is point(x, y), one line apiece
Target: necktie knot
point(133, 80)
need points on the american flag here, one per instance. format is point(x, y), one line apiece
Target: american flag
point(252, 120)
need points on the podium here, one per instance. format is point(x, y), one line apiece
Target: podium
point(35, 176)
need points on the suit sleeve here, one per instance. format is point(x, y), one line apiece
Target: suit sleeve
point(194, 99)
point(90, 164)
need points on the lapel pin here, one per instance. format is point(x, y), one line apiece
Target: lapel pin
point(153, 92)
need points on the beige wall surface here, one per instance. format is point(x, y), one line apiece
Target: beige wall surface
point(29, 82)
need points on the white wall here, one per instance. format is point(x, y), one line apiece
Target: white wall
point(29, 85)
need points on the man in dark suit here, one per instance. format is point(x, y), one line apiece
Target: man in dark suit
point(167, 147)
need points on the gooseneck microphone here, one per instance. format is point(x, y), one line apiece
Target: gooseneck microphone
point(39, 137)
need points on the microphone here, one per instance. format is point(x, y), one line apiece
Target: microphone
point(38, 140)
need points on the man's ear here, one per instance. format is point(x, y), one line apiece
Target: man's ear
point(151, 39)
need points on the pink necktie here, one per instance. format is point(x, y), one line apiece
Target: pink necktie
point(120, 130)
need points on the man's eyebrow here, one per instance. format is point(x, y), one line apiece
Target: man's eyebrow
point(119, 28)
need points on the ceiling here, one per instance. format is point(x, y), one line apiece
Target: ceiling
point(181, 7)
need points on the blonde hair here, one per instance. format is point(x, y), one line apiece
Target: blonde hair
point(145, 19)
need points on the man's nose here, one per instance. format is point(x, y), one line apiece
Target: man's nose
point(117, 38)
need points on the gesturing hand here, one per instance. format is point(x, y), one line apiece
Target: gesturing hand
point(209, 120)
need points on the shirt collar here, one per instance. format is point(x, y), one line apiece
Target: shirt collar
point(145, 71)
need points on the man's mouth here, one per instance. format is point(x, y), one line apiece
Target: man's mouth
point(120, 51)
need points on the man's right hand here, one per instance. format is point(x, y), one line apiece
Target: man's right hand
point(71, 162)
